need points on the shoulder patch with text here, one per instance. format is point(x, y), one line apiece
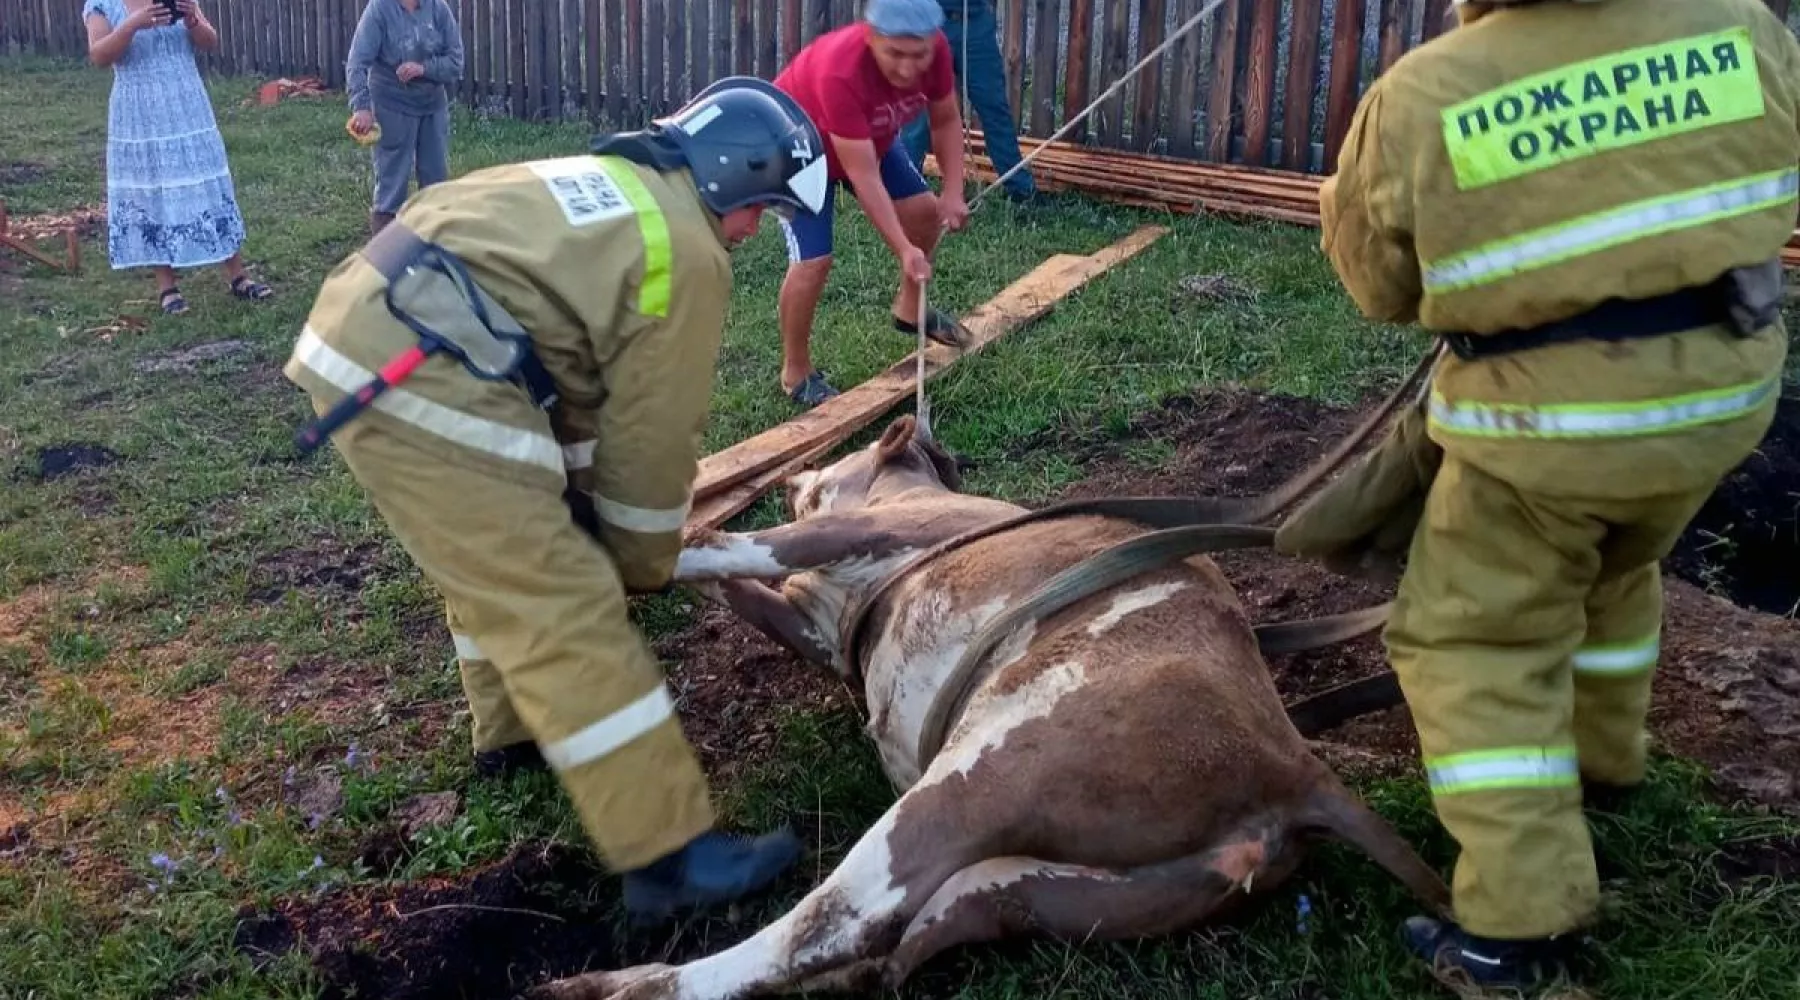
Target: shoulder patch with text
point(583, 190)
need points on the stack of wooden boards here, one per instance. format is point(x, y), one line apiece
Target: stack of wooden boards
point(1187, 187)
point(732, 479)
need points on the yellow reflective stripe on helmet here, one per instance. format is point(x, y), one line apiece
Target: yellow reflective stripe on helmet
point(654, 293)
point(1591, 420)
point(1619, 659)
point(1596, 105)
point(1512, 767)
point(1601, 230)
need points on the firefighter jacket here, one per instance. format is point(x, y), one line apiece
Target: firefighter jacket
point(1541, 159)
point(621, 276)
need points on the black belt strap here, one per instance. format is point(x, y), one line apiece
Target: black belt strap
point(397, 248)
point(1613, 320)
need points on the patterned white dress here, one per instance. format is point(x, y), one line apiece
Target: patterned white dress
point(169, 195)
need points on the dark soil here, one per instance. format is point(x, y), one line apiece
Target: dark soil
point(59, 460)
point(324, 564)
point(21, 172)
point(538, 912)
point(1777, 858)
point(1746, 540)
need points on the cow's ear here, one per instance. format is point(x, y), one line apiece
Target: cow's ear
point(895, 439)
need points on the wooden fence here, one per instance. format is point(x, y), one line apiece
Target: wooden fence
point(1262, 82)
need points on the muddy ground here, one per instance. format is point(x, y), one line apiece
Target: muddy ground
point(1728, 695)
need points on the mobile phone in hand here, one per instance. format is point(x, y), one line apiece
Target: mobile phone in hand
point(174, 11)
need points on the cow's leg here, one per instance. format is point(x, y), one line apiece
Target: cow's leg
point(770, 612)
point(858, 914)
point(1004, 897)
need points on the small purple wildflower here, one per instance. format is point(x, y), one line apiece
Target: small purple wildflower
point(1304, 905)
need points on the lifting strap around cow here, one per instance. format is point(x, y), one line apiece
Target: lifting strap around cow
point(1332, 524)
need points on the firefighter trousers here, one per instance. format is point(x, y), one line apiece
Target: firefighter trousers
point(538, 613)
point(1525, 633)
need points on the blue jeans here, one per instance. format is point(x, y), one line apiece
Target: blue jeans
point(986, 75)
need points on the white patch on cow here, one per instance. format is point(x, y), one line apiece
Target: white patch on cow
point(1136, 600)
point(739, 556)
point(823, 594)
point(824, 927)
point(990, 717)
point(912, 660)
point(827, 498)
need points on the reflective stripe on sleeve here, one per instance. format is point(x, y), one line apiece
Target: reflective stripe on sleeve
point(611, 733)
point(1610, 228)
point(1598, 420)
point(466, 429)
point(643, 520)
point(1509, 768)
point(654, 293)
point(1619, 659)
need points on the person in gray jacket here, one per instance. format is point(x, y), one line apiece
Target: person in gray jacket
point(404, 58)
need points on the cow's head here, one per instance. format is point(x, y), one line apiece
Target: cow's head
point(903, 459)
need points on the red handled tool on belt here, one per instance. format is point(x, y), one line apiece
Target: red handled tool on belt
point(392, 374)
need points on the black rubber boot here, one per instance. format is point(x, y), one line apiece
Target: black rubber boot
point(508, 759)
point(1465, 962)
point(713, 868)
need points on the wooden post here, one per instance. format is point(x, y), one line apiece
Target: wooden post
point(1302, 72)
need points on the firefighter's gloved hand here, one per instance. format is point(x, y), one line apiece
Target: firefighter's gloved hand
point(1362, 523)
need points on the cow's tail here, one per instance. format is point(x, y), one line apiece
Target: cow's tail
point(1333, 808)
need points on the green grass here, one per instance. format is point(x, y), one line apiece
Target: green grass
point(172, 675)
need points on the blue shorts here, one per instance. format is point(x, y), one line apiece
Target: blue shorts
point(809, 235)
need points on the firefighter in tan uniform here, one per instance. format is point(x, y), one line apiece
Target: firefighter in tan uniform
point(1586, 201)
point(537, 463)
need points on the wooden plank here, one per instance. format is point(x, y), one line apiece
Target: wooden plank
point(700, 41)
point(1302, 72)
point(818, 18)
point(766, 458)
point(767, 45)
point(791, 17)
point(515, 55)
point(634, 63)
point(1184, 86)
point(1259, 82)
point(1153, 27)
point(1043, 67)
point(1395, 28)
point(1437, 20)
point(573, 81)
point(593, 59)
point(722, 32)
point(1012, 54)
point(1220, 88)
point(494, 82)
point(1077, 67)
point(1346, 59)
point(615, 65)
point(744, 37)
point(1116, 44)
point(1780, 9)
point(656, 84)
point(682, 85)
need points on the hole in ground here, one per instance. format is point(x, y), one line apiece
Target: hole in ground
point(1745, 543)
point(59, 460)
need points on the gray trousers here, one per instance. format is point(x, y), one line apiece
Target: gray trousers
point(409, 144)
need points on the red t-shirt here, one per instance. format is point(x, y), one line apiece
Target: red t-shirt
point(836, 81)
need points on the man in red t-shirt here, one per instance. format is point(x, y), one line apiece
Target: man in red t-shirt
point(861, 84)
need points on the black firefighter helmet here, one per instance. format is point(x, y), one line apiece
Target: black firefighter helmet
point(745, 141)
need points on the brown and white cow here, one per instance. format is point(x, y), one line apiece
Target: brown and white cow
point(1124, 769)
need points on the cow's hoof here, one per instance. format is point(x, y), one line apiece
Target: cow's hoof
point(645, 982)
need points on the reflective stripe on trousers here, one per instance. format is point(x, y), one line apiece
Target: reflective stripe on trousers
point(1507, 768)
point(1601, 420)
point(1612, 227)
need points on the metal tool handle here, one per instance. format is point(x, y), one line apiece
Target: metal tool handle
point(396, 371)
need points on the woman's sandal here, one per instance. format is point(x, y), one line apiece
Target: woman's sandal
point(172, 302)
point(244, 288)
